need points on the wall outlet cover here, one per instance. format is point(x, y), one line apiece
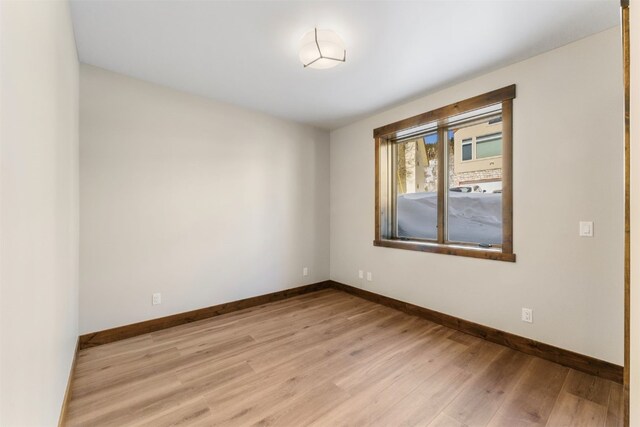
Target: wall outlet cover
point(586, 228)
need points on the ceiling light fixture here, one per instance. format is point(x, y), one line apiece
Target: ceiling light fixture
point(322, 49)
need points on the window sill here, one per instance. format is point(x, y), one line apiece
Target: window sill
point(473, 252)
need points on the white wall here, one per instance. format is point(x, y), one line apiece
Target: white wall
point(567, 167)
point(38, 210)
point(201, 201)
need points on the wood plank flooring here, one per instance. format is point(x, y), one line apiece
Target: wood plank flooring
point(324, 359)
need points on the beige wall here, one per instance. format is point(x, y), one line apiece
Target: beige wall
point(201, 201)
point(38, 210)
point(571, 96)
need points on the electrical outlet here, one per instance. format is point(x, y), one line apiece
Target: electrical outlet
point(369, 276)
point(156, 299)
point(527, 315)
point(305, 271)
point(360, 274)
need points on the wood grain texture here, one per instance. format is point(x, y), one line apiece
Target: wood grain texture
point(122, 332)
point(507, 176)
point(564, 357)
point(588, 387)
point(327, 358)
point(479, 402)
point(376, 207)
point(626, 62)
point(570, 410)
point(443, 184)
point(533, 398)
point(489, 98)
point(615, 407)
point(67, 392)
point(567, 358)
point(446, 249)
point(385, 191)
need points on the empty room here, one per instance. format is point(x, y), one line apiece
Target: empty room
point(319, 213)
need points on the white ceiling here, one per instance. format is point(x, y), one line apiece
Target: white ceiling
point(246, 52)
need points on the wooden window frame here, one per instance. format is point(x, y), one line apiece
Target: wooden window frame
point(382, 137)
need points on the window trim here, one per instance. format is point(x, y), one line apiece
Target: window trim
point(384, 134)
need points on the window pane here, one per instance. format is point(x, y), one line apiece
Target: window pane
point(467, 151)
point(416, 170)
point(489, 146)
point(474, 199)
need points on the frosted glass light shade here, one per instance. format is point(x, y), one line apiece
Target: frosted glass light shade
point(322, 49)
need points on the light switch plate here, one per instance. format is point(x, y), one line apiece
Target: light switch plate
point(586, 228)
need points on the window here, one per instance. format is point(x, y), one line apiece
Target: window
point(467, 149)
point(489, 145)
point(443, 179)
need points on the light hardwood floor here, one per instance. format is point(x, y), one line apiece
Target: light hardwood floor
point(324, 359)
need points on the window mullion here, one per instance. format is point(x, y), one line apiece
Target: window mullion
point(393, 190)
point(442, 182)
point(507, 176)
